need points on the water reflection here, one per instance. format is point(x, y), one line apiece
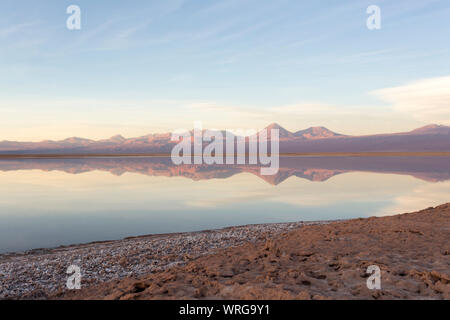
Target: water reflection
point(311, 168)
point(50, 202)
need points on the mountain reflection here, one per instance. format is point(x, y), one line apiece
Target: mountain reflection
point(432, 169)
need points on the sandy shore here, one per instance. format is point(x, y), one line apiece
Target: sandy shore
point(36, 274)
point(275, 261)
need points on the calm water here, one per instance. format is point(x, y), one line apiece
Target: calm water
point(52, 202)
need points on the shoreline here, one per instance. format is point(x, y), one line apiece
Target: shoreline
point(320, 261)
point(39, 272)
point(298, 260)
point(150, 236)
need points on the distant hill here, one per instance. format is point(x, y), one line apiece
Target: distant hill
point(432, 129)
point(317, 133)
point(430, 138)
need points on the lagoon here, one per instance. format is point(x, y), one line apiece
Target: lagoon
point(53, 202)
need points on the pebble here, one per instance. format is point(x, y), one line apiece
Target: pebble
point(37, 273)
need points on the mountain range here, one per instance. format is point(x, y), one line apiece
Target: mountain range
point(431, 138)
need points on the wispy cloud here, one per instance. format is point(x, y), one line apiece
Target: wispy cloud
point(427, 100)
point(17, 28)
point(409, 106)
point(305, 109)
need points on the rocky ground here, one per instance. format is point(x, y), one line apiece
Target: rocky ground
point(327, 261)
point(39, 273)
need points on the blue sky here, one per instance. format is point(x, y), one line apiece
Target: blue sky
point(154, 66)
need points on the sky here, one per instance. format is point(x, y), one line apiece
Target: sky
point(157, 66)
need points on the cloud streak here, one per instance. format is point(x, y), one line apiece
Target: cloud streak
point(11, 30)
point(409, 106)
point(427, 100)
